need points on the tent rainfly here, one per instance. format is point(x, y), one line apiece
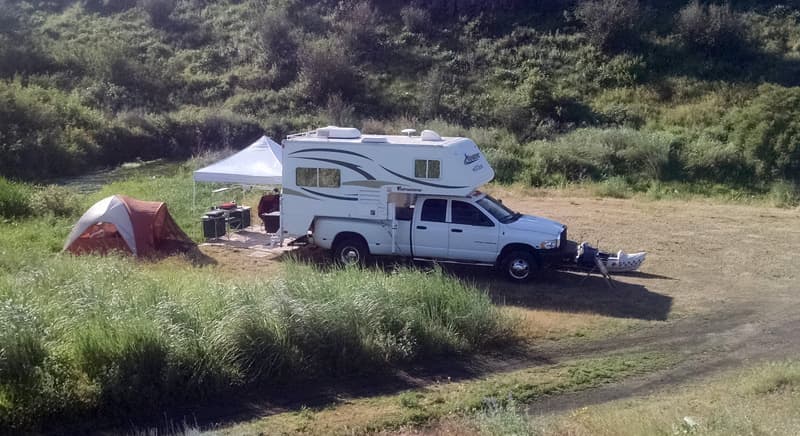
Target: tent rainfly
point(120, 223)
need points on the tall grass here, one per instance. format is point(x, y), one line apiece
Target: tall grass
point(111, 337)
point(13, 199)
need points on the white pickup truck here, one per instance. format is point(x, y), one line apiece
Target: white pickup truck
point(476, 229)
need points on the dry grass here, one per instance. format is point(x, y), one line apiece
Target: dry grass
point(535, 325)
point(762, 400)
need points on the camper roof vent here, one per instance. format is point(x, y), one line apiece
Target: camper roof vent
point(374, 139)
point(333, 132)
point(430, 135)
point(408, 132)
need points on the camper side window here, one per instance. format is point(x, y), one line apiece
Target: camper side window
point(318, 177)
point(427, 169)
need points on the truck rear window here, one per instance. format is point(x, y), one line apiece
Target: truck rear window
point(434, 210)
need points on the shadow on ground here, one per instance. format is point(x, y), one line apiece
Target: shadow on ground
point(266, 400)
point(555, 290)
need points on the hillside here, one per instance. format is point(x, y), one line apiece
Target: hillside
point(637, 94)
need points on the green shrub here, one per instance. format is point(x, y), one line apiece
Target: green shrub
point(767, 129)
point(710, 159)
point(339, 112)
point(784, 194)
point(503, 417)
point(600, 153)
point(326, 68)
point(358, 23)
point(431, 91)
point(44, 132)
point(194, 130)
point(506, 165)
point(415, 19)
point(159, 11)
point(14, 199)
point(278, 39)
point(709, 27)
point(610, 23)
point(56, 200)
point(614, 187)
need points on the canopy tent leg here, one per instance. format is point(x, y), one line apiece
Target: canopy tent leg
point(194, 197)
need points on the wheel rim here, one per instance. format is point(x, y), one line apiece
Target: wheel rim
point(350, 255)
point(519, 269)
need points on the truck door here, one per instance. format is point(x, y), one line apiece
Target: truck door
point(473, 236)
point(430, 235)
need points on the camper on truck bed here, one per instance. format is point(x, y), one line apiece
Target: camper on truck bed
point(410, 196)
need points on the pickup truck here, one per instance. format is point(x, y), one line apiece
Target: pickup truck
point(477, 230)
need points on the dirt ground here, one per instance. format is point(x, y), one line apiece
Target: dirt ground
point(719, 287)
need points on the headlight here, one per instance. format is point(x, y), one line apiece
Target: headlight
point(549, 245)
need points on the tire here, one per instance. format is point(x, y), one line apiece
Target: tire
point(520, 266)
point(350, 251)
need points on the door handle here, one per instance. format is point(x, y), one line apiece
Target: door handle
point(456, 230)
point(422, 228)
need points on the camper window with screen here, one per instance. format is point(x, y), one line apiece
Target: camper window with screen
point(427, 169)
point(318, 177)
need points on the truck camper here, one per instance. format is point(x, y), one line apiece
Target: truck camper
point(410, 196)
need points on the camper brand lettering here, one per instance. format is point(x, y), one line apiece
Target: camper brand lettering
point(403, 188)
point(477, 167)
point(470, 158)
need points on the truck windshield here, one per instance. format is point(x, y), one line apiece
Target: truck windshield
point(497, 209)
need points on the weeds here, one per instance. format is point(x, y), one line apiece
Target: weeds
point(111, 336)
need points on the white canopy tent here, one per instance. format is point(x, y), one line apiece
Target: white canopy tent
point(261, 163)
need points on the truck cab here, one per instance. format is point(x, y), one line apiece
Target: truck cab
point(476, 229)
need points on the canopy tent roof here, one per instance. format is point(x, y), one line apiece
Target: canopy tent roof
point(261, 163)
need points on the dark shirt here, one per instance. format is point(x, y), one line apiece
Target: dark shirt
point(269, 203)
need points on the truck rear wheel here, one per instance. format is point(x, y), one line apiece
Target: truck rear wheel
point(350, 251)
point(520, 266)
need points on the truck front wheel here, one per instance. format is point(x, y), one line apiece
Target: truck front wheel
point(350, 251)
point(520, 266)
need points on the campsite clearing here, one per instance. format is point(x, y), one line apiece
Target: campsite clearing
point(719, 291)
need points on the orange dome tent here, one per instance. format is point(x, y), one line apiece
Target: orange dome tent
point(121, 223)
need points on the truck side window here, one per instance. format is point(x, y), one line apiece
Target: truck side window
point(427, 169)
point(434, 210)
point(467, 214)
